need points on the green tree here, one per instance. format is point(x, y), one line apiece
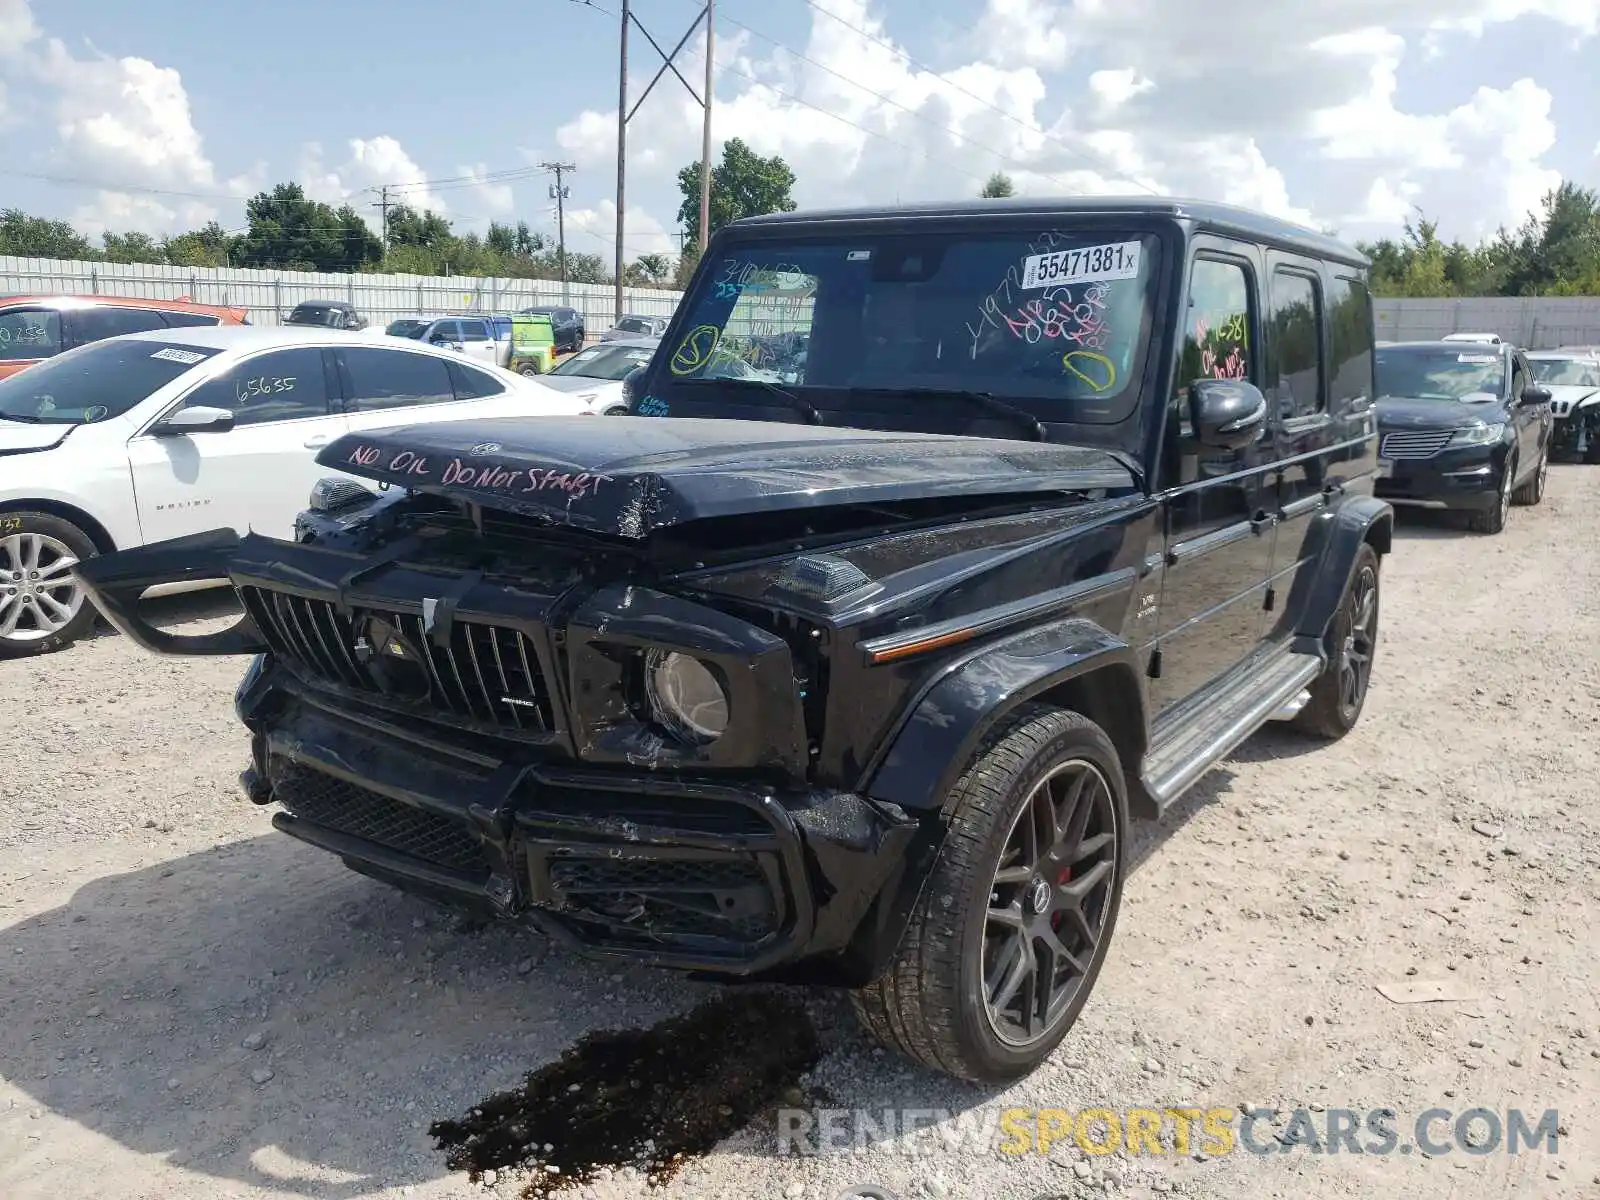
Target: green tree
point(408, 227)
point(650, 270)
point(133, 248)
point(290, 231)
point(207, 247)
point(743, 185)
point(998, 187)
point(40, 237)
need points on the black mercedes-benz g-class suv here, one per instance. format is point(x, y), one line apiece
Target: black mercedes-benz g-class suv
point(851, 669)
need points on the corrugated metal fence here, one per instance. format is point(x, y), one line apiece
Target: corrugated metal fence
point(271, 295)
point(1538, 323)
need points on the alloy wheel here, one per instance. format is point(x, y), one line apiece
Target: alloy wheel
point(1049, 903)
point(1507, 476)
point(1355, 657)
point(38, 595)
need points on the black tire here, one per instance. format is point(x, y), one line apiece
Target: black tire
point(25, 622)
point(1591, 452)
point(1532, 492)
point(1493, 519)
point(934, 1002)
point(528, 369)
point(1340, 692)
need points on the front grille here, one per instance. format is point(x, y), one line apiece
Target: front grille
point(361, 813)
point(486, 673)
point(710, 897)
point(1422, 443)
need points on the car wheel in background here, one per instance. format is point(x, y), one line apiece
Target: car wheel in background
point(42, 607)
point(1493, 519)
point(1532, 492)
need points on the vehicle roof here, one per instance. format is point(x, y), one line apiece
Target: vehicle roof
point(249, 337)
point(66, 300)
point(1567, 352)
point(324, 304)
point(1454, 347)
point(1210, 214)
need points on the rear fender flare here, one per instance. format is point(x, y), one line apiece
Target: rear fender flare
point(947, 723)
point(1358, 521)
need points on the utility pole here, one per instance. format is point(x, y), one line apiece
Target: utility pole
point(705, 130)
point(625, 114)
point(383, 218)
point(559, 192)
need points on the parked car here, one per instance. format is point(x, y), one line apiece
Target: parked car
point(34, 328)
point(326, 314)
point(159, 435)
point(568, 325)
point(533, 345)
point(1574, 382)
point(486, 338)
point(858, 680)
point(634, 326)
point(594, 376)
point(1479, 339)
point(1463, 427)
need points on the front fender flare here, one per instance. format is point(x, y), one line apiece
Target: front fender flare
point(947, 721)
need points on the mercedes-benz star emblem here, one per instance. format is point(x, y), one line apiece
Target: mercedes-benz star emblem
point(1039, 895)
point(485, 448)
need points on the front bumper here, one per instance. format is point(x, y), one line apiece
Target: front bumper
point(1577, 433)
point(1465, 478)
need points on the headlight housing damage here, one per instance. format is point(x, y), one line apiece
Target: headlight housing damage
point(686, 696)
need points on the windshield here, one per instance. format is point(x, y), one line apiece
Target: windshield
point(1566, 372)
point(605, 362)
point(1431, 373)
point(1057, 318)
point(95, 382)
point(307, 315)
point(407, 328)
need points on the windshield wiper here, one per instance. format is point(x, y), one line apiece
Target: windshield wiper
point(812, 413)
point(20, 419)
point(984, 400)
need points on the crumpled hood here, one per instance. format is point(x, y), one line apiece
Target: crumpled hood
point(1564, 397)
point(17, 437)
point(629, 476)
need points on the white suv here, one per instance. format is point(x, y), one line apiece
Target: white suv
point(155, 435)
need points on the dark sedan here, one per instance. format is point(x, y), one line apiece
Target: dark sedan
point(1463, 427)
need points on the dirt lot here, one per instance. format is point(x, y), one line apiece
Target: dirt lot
point(192, 1005)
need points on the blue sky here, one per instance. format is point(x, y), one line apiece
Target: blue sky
point(1341, 112)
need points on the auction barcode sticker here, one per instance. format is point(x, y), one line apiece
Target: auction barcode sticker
point(187, 357)
point(1086, 264)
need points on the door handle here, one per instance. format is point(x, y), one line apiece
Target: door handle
point(317, 442)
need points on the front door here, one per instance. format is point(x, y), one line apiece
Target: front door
point(258, 475)
point(476, 340)
point(1219, 505)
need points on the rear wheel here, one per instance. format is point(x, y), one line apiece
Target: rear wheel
point(1338, 694)
point(528, 369)
point(42, 607)
point(1014, 922)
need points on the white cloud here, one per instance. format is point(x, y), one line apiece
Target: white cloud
point(373, 163)
point(594, 231)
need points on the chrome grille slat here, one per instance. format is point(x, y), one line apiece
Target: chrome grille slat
point(322, 641)
point(505, 684)
point(297, 635)
point(419, 634)
point(342, 637)
point(1422, 443)
point(478, 676)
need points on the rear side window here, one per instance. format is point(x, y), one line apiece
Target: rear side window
point(284, 385)
point(474, 331)
point(473, 384)
point(1349, 340)
point(382, 379)
point(29, 333)
point(1295, 378)
point(181, 320)
point(86, 325)
point(445, 331)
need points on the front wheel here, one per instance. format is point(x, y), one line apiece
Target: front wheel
point(1532, 492)
point(1338, 694)
point(42, 607)
point(1493, 519)
point(1015, 920)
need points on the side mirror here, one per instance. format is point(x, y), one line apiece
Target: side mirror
point(1226, 413)
point(198, 419)
point(1536, 393)
point(631, 383)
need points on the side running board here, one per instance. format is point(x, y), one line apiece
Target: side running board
point(1192, 737)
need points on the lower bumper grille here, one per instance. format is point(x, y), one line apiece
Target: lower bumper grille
point(361, 813)
point(1420, 444)
point(651, 897)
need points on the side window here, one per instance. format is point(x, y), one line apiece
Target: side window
point(285, 385)
point(445, 331)
point(86, 325)
point(379, 379)
point(1217, 344)
point(1519, 376)
point(473, 384)
point(1350, 341)
point(1294, 382)
point(184, 320)
point(29, 333)
point(474, 331)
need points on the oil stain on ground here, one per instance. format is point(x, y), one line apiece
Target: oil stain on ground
point(648, 1098)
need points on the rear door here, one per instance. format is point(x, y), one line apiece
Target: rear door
point(80, 326)
point(256, 476)
point(385, 388)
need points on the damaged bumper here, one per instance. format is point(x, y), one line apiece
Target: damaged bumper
point(454, 736)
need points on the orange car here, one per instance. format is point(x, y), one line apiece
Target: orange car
point(37, 327)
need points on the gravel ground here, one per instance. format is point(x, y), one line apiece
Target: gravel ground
point(192, 1005)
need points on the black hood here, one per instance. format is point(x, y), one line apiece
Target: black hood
point(1399, 413)
point(629, 476)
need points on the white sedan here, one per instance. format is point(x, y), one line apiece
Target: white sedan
point(155, 435)
point(594, 376)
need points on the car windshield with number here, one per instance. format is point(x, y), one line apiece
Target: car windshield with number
point(1057, 319)
point(95, 382)
point(1566, 372)
point(605, 362)
point(1438, 373)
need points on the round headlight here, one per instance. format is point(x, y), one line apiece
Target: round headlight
point(686, 696)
